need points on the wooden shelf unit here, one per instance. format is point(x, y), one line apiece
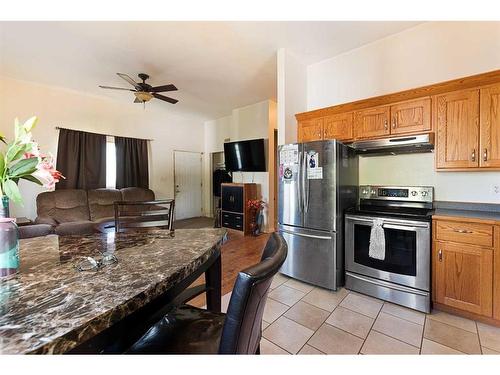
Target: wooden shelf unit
point(234, 205)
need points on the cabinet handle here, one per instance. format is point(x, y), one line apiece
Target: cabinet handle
point(485, 155)
point(473, 156)
point(385, 125)
point(462, 231)
point(394, 123)
point(440, 255)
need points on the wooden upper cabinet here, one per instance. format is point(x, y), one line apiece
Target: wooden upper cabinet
point(456, 119)
point(310, 130)
point(490, 127)
point(338, 127)
point(411, 117)
point(464, 277)
point(372, 122)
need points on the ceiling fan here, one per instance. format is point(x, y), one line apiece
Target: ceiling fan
point(144, 92)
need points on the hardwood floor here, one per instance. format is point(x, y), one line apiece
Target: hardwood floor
point(238, 253)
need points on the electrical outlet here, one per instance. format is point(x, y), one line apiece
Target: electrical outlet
point(495, 191)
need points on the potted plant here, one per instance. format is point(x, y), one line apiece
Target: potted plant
point(20, 160)
point(255, 207)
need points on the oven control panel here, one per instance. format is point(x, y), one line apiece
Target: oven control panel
point(401, 193)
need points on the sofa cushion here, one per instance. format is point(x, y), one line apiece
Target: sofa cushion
point(66, 205)
point(134, 194)
point(101, 203)
point(75, 227)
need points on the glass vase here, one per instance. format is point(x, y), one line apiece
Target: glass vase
point(9, 241)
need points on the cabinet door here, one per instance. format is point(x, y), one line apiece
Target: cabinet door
point(456, 117)
point(411, 117)
point(490, 127)
point(338, 127)
point(372, 122)
point(464, 277)
point(310, 130)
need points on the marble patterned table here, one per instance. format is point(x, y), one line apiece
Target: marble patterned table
point(50, 307)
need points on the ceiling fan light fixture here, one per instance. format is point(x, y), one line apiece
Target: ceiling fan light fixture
point(143, 96)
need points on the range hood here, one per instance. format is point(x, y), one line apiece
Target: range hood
point(396, 145)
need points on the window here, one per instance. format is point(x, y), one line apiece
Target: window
point(110, 163)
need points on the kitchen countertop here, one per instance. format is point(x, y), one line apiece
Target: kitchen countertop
point(50, 307)
point(480, 211)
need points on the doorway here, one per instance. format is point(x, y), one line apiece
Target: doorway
point(188, 184)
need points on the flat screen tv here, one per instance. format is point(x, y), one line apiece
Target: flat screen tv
point(245, 156)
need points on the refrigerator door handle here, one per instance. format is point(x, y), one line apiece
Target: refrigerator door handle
point(305, 195)
point(306, 235)
point(299, 184)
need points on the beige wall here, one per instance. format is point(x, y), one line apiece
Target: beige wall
point(429, 53)
point(65, 108)
point(249, 122)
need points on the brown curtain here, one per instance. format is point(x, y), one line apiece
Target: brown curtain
point(131, 163)
point(81, 158)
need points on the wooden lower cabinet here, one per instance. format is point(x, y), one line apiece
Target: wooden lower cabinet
point(464, 277)
point(466, 267)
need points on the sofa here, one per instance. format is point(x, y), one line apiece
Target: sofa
point(75, 211)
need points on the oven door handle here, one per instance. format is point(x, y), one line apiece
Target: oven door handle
point(410, 228)
point(390, 224)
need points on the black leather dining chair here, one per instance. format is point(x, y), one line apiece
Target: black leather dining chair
point(190, 330)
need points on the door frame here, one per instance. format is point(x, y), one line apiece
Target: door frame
point(202, 185)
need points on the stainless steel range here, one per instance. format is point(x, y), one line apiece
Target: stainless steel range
point(396, 266)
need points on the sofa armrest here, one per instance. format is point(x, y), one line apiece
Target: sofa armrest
point(46, 220)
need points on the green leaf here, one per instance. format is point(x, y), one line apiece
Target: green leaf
point(12, 191)
point(30, 124)
point(15, 152)
point(23, 167)
point(32, 179)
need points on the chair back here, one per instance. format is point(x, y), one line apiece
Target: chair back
point(147, 214)
point(242, 329)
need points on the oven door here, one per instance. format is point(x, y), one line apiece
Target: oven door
point(407, 250)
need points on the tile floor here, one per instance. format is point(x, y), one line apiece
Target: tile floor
point(302, 319)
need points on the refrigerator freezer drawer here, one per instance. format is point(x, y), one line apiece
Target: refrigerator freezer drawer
point(311, 256)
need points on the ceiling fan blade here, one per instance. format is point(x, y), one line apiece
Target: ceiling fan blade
point(129, 80)
point(115, 88)
point(165, 98)
point(164, 88)
point(137, 100)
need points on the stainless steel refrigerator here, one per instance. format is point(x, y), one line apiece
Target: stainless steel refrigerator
point(317, 182)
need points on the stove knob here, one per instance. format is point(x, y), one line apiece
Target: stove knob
point(424, 193)
point(364, 192)
point(414, 192)
point(373, 192)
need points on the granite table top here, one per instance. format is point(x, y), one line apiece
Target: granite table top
point(50, 307)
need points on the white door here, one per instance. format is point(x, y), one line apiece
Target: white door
point(188, 184)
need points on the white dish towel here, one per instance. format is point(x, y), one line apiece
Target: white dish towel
point(377, 240)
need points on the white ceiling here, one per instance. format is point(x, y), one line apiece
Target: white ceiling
point(217, 66)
